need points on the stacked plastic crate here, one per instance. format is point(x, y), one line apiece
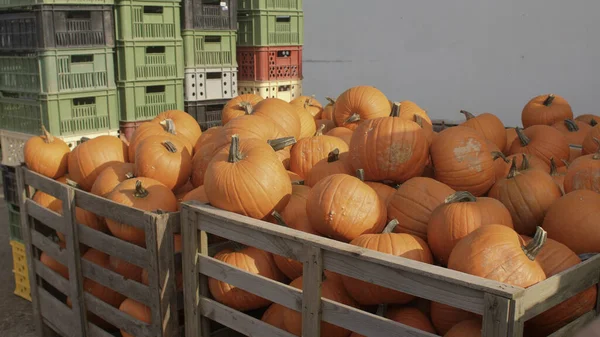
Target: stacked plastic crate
point(269, 48)
point(209, 38)
point(149, 59)
point(57, 70)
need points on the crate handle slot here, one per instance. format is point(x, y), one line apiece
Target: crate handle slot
point(84, 101)
point(79, 15)
point(283, 19)
point(153, 9)
point(155, 50)
point(212, 39)
point(214, 76)
point(9, 94)
point(155, 89)
point(82, 58)
point(284, 53)
point(211, 2)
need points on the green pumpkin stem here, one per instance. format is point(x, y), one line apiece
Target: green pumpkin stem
point(281, 143)
point(247, 106)
point(360, 174)
point(140, 191)
point(169, 126)
point(513, 169)
point(354, 118)
point(320, 131)
point(467, 114)
point(170, 146)
point(279, 218)
point(395, 109)
point(381, 310)
point(525, 164)
point(331, 100)
point(571, 125)
point(549, 100)
point(389, 228)
point(234, 150)
point(593, 122)
point(460, 196)
point(522, 137)
point(498, 154)
point(333, 156)
point(533, 248)
point(49, 138)
point(298, 182)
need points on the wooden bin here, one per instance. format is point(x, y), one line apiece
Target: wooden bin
point(504, 307)
point(50, 312)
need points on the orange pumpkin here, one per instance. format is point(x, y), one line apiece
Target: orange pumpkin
point(46, 155)
point(136, 310)
point(584, 174)
point(501, 165)
point(558, 175)
point(274, 316)
point(408, 110)
point(239, 106)
point(470, 328)
point(127, 270)
point(589, 119)
point(309, 104)
point(589, 145)
point(207, 136)
point(309, 151)
point(308, 126)
point(328, 109)
point(103, 293)
point(490, 126)
point(341, 132)
point(385, 192)
point(165, 160)
point(197, 194)
point(511, 135)
point(546, 110)
point(444, 317)
point(112, 176)
point(54, 265)
point(165, 128)
point(282, 114)
point(574, 131)
point(524, 160)
point(187, 127)
point(334, 163)
point(183, 190)
point(329, 125)
point(202, 158)
point(296, 179)
point(412, 317)
point(359, 104)
point(542, 141)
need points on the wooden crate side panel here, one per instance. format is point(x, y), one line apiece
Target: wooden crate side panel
point(570, 329)
point(45, 216)
point(112, 246)
point(111, 210)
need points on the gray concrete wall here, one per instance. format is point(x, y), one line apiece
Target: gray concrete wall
point(477, 55)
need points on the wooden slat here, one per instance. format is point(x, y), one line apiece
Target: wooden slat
point(116, 317)
point(153, 273)
point(238, 321)
point(174, 221)
point(496, 316)
point(203, 281)
point(167, 276)
point(111, 210)
point(189, 236)
point(58, 314)
point(587, 325)
point(44, 184)
point(55, 279)
point(113, 246)
point(46, 245)
point(45, 216)
point(312, 277)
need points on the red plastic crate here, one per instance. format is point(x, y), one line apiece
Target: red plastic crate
point(269, 63)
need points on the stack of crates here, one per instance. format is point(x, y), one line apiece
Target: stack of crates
point(57, 70)
point(209, 39)
point(149, 59)
point(269, 48)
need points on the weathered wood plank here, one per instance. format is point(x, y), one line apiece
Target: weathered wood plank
point(311, 296)
point(174, 221)
point(46, 245)
point(116, 317)
point(238, 321)
point(587, 325)
point(45, 216)
point(44, 184)
point(189, 236)
point(110, 209)
point(95, 331)
point(50, 276)
point(167, 275)
point(113, 246)
point(153, 271)
point(496, 316)
point(203, 281)
point(58, 314)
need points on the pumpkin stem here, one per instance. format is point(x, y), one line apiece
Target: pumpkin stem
point(381, 310)
point(298, 182)
point(467, 114)
point(461, 196)
point(513, 169)
point(360, 174)
point(389, 228)
point(419, 120)
point(331, 100)
point(247, 106)
point(534, 247)
point(522, 137)
point(279, 218)
point(567, 164)
point(281, 143)
point(170, 146)
point(549, 100)
point(84, 139)
point(140, 192)
point(593, 122)
point(169, 126)
point(553, 170)
point(498, 154)
point(234, 150)
point(596, 155)
point(354, 118)
point(129, 175)
point(320, 131)
point(395, 109)
point(123, 139)
point(334, 155)
point(525, 164)
point(571, 125)
point(48, 135)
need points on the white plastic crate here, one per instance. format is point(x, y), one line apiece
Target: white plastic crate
point(203, 84)
point(285, 90)
point(12, 144)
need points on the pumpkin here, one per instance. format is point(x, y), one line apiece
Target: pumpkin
point(410, 316)
point(490, 126)
point(341, 132)
point(389, 148)
point(574, 131)
point(274, 316)
point(542, 141)
point(331, 289)
point(501, 165)
point(187, 127)
point(127, 270)
point(589, 145)
point(183, 190)
point(463, 161)
point(584, 173)
point(207, 136)
point(328, 109)
point(460, 214)
point(527, 194)
point(282, 114)
point(250, 127)
point(444, 317)
point(239, 106)
point(528, 161)
point(558, 175)
point(495, 252)
point(554, 259)
point(165, 160)
point(103, 293)
point(165, 128)
point(359, 104)
point(247, 178)
point(112, 176)
point(546, 110)
point(197, 194)
point(579, 209)
point(46, 155)
point(309, 151)
point(334, 163)
point(334, 215)
point(387, 242)
point(89, 158)
point(136, 310)
point(591, 120)
point(384, 191)
point(296, 179)
point(427, 129)
point(251, 260)
point(410, 110)
point(511, 135)
point(202, 158)
point(575, 152)
point(470, 328)
point(83, 217)
point(413, 203)
point(141, 193)
point(308, 126)
point(310, 105)
point(54, 265)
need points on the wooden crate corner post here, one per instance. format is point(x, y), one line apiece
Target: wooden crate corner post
point(311, 291)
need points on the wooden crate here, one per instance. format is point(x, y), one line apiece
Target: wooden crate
point(504, 307)
point(48, 289)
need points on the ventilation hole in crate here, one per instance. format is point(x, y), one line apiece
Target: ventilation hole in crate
point(193, 85)
point(233, 75)
point(201, 94)
point(193, 76)
point(153, 10)
point(224, 83)
point(225, 92)
point(201, 84)
point(200, 76)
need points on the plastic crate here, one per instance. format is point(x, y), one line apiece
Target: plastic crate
point(142, 61)
point(62, 114)
point(57, 26)
point(14, 223)
point(209, 14)
point(128, 128)
point(58, 71)
point(210, 83)
point(204, 49)
point(207, 113)
point(285, 90)
point(20, 270)
point(26, 3)
point(270, 28)
point(145, 100)
point(269, 63)
point(282, 5)
point(147, 20)
point(9, 184)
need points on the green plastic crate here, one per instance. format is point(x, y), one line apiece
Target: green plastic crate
point(58, 71)
point(147, 20)
point(23, 3)
point(282, 5)
point(270, 28)
point(142, 61)
point(14, 223)
point(145, 100)
point(62, 114)
point(209, 49)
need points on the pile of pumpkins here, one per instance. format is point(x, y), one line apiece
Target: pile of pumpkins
point(512, 205)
